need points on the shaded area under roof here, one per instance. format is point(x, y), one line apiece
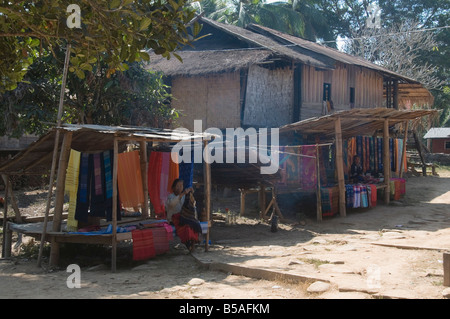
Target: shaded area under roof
point(36, 159)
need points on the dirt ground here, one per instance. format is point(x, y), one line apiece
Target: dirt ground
point(390, 251)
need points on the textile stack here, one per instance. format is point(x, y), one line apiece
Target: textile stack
point(360, 195)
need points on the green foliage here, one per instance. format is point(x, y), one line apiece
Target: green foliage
point(116, 31)
point(132, 97)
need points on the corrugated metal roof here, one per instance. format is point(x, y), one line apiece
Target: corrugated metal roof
point(438, 132)
point(37, 157)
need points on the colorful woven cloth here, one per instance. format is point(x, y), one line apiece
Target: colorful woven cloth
point(143, 244)
point(154, 182)
point(129, 180)
point(184, 232)
point(308, 167)
point(71, 187)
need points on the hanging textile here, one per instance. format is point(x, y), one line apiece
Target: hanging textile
point(97, 204)
point(174, 172)
point(71, 187)
point(308, 167)
point(83, 195)
point(364, 199)
point(186, 172)
point(380, 153)
point(129, 180)
point(165, 188)
point(160, 240)
point(349, 194)
point(143, 244)
point(107, 170)
point(373, 195)
point(154, 182)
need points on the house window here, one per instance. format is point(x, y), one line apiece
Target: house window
point(352, 98)
point(447, 145)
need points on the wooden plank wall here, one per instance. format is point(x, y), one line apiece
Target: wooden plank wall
point(368, 86)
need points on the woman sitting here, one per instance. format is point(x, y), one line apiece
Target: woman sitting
point(181, 211)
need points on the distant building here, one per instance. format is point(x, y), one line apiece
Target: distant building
point(440, 139)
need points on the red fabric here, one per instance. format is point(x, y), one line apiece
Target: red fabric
point(373, 195)
point(143, 244)
point(184, 232)
point(154, 182)
point(160, 241)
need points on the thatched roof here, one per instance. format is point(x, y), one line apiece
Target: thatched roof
point(263, 44)
point(207, 62)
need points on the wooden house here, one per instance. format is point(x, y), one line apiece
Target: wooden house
point(259, 77)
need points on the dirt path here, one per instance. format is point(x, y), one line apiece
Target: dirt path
point(390, 251)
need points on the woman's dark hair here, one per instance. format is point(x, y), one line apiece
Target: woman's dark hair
point(175, 182)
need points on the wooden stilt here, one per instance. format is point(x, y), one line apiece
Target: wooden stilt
point(386, 162)
point(405, 139)
point(340, 167)
point(242, 208)
point(5, 217)
point(447, 268)
point(14, 205)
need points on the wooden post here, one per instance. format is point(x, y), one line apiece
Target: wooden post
point(59, 198)
point(144, 168)
point(61, 180)
point(207, 183)
point(13, 198)
point(318, 194)
point(114, 208)
point(242, 209)
point(5, 217)
point(386, 162)
point(405, 139)
point(340, 166)
point(447, 268)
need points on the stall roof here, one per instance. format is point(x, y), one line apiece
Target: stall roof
point(354, 122)
point(37, 157)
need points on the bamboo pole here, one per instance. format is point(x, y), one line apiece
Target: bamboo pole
point(340, 167)
point(386, 162)
point(55, 151)
point(114, 208)
point(207, 183)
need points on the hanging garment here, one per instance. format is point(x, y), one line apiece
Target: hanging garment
point(357, 196)
point(380, 153)
point(129, 180)
point(97, 204)
point(174, 172)
point(71, 187)
point(186, 173)
point(143, 244)
point(83, 194)
point(107, 172)
point(164, 188)
point(154, 182)
point(160, 240)
point(308, 167)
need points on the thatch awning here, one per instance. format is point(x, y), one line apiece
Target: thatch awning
point(37, 158)
point(207, 62)
point(355, 122)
